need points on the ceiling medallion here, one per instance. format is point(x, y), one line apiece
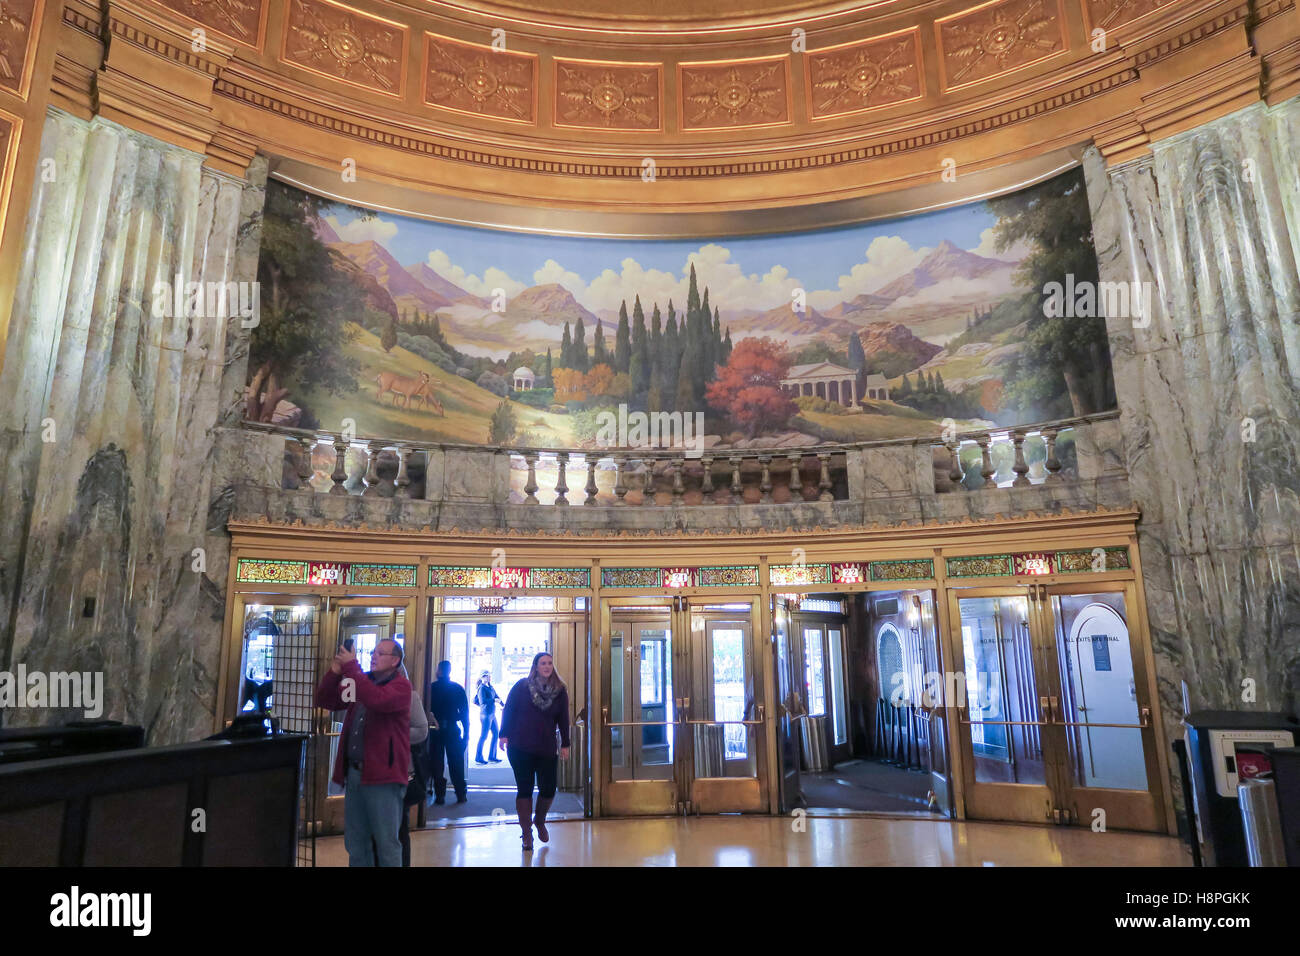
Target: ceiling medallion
point(732, 96)
point(1001, 37)
point(607, 96)
point(480, 83)
point(865, 78)
point(346, 46)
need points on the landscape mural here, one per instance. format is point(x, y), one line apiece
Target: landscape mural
point(422, 331)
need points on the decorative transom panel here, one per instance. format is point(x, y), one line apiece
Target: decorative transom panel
point(18, 26)
point(998, 37)
point(608, 95)
point(270, 571)
point(471, 78)
point(862, 76)
point(733, 94)
point(240, 20)
point(345, 44)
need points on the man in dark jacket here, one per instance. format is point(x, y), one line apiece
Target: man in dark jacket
point(450, 709)
point(374, 750)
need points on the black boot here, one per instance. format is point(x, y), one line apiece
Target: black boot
point(539, 821)
point(524, 807)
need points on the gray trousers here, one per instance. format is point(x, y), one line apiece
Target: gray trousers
point(372, 812)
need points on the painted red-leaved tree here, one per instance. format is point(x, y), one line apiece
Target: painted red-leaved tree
point(748, 387)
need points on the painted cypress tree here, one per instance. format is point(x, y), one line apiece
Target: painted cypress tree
point(655, 345)
point(904, 387)
point(546, 369)
point(726, 349)
point(566, 349)
point(684, 400)
point(581, 359)
point(692, 297)
point(622, 341)
point(937, 382)
point(388, 340)
point(670, 355)
point(857, 357)
point(639, 371)
point(600, 354)
point(715, 343)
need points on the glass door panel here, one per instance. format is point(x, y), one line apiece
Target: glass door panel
point(1001, 690)
point(839, 704)
point(641, 711)
point(1098, 691)
point(814, 671)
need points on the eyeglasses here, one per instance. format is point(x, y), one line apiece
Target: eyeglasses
point(384, 654)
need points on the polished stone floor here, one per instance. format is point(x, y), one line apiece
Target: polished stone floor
point(772, 841)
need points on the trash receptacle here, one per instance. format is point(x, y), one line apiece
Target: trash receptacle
point(709, 757)
point(1260, 820)
point(815, 755)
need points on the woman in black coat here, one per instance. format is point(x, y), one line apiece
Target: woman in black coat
point(536, 708)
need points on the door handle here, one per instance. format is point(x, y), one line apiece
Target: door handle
point(1056, 709)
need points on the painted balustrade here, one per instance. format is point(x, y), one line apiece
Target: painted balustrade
point(1050, 454)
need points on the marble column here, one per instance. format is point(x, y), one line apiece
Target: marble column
point(108, 500)
point(1209, 396)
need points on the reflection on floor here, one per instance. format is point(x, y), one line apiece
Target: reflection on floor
point(780, 841)
point(867, 785)
point(482, 803)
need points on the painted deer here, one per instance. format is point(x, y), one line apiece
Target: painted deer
point(426, 393)
point(400, 385)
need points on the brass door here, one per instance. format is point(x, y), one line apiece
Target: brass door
point(681, 715)
point(1052, 697)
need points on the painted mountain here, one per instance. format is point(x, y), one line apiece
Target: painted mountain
point(426, 331)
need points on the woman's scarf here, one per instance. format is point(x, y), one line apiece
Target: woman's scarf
point(544, 692)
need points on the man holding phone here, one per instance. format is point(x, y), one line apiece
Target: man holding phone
point(374, 749)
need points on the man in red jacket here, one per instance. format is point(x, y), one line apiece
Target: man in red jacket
point(374, 750)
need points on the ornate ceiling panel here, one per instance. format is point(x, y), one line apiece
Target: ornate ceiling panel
point(597, 95)
point(996, 38)
point(19, 24)
point(344, 44)
point(476, 79)
point(734, 94)
point(1109, 14)
point(240, 20)
point(862, 76)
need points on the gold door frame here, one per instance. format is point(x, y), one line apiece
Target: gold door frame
point(1145, 810)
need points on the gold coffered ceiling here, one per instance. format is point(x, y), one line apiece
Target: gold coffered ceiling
point(567, 104)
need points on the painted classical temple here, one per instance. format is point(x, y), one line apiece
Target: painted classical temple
point(894, 393)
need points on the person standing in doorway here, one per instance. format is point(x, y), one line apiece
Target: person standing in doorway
point(448, 733)
point(536, 708)
point(487, 698)
point(374, 750)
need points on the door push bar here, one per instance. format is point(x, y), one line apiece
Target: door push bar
point(1051, 706)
